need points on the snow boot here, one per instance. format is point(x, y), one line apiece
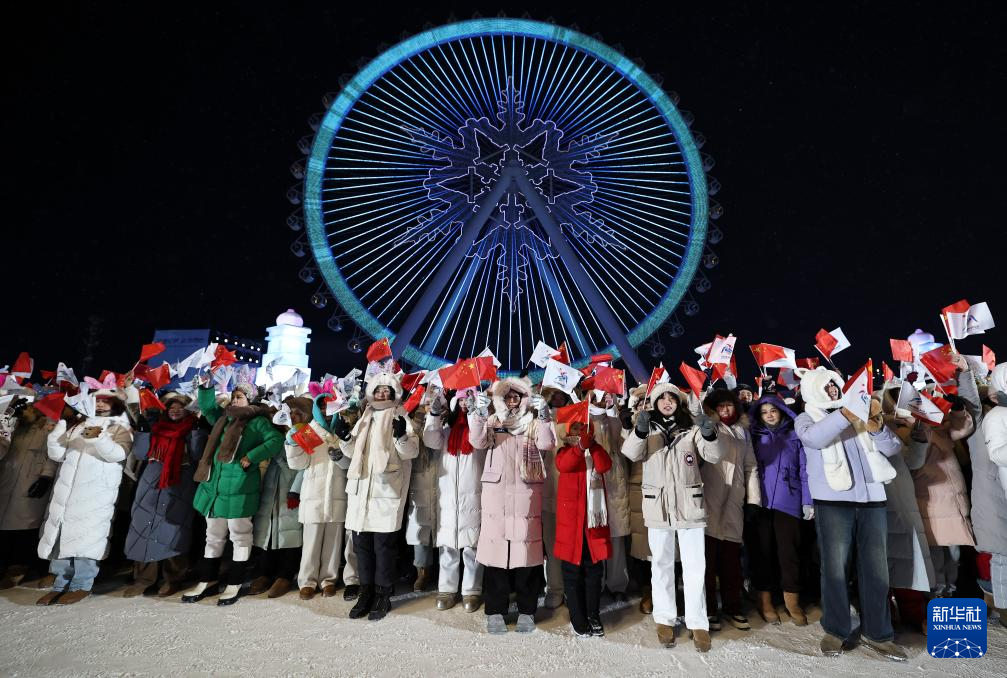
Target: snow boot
point(666, 635)
point(351, 592)
point(208, 574)
point(382, 603)
point(831, 645)
point(646, 602)
point(235, 578)
point(766, 608)
point(793, 603)
point(365, 600)
point(422, 575)
point(714, 621)
point(738, 621)
point(701, 639)
point(594, 620)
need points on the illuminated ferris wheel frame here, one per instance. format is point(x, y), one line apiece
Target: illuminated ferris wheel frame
point(621, 343)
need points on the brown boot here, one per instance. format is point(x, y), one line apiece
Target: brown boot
point(49, 598)
point(666, 635)
point(46, 582)
point(422, 574)
point(701, 639)
point(646, 603)
point(259, 585)
point(72, 597)
point(168, 588)
point(766, 609)
point(793, 603)
point(279, 588)
point(307, 592)
point(134, 590)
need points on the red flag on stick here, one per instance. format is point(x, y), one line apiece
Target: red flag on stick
point(222, 357)
point(809, 363)
point(887, 372)
point(693, 377)
point(51, 406)
point(159, 377)
point(414, 400)
point(573, 413)
point(563, 356)
point(655, 376)
point(938, 363)
point(902, 350)
point(463, 374)
point(150, 350)
point(610, 380)
point(409, 381)
point(379, 350)
point(149, 401)
point(825, 342)
point(307, 439)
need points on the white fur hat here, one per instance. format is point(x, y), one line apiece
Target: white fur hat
point(813, 383)
point(392, 381)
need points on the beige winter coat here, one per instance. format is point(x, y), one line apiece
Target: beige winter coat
point(730, 483)
point(22, 462)
point(672, 483)
point(323, 483)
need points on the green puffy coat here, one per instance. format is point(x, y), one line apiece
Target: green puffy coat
point(231, 491)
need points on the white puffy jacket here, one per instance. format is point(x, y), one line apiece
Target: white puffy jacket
point(323, 482)
point(80, 512)
point(459, 488)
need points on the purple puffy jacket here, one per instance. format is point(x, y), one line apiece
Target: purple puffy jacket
point(781, 460)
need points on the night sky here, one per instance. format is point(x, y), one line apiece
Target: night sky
point(148, 147)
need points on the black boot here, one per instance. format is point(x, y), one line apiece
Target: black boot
point(365, 601)
point(382, 603)
point(578, 617)
point(351, 592)
point(235, 580)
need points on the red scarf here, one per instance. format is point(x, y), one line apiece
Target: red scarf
point(167, 445)
point(458, 440)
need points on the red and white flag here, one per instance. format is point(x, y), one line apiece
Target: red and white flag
point(788, 379)
point(561, 376)
point(771, 355)
point(921, 407)
point(721, 350)
point(693, 377)
point(858, 392)
point(887, 373)
point(541, 354)
point(658, 375)
point(962, 319)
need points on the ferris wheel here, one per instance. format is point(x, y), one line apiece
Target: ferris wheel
point(496, 182)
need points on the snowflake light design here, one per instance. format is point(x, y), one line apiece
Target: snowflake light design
point(473, 164)
point(956, 647)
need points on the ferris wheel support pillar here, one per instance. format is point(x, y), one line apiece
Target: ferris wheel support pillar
point(447, 266)
point(580, 278)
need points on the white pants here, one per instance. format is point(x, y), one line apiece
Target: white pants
point(553, 566)
point(451, 564)
point(240, 532)
point(350, 576)
point(616, 569)
point(692, 545)
point(998, 578)
point(320, 555)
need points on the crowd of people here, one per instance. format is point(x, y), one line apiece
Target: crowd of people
point(705, 502)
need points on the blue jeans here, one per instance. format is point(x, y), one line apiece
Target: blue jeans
point(76, 573)
point(839, 528)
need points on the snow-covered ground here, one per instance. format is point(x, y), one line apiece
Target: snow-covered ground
point(109, 635)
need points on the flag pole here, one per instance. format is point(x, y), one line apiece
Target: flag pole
point(828, 360)
point(947, 330)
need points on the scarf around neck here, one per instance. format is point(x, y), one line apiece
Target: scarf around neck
point(458, 438)
point(167, 445)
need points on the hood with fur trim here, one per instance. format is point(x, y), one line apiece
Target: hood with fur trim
point(501, 388)
point(813, 383)
point(394, 382)
point(661, 389)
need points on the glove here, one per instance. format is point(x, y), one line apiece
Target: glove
point(643, 424)
point(705, 425)
point(293, 500)
point(877, 420)
point(482, 403)
point(626, 418)
point(40, 487)
point(809, 512)
point(398, 427)
point(751, 511)
point(537, 402)
point(850, 417)
point(340, 428)
point(335, 454)
point(438, 405)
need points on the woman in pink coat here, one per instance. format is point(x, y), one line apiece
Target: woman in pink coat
point(514, 438)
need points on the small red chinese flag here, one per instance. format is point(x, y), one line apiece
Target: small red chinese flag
point(825, 342)
point(51, 405)
point(150, 350)
point(149, 401)
point(941, 403)
point(563, 356)
point(938, 363)
point(610, 380)
point(463, 374)
point(809, 363)
point(379, 350)
point(573, 413)
point(409, 381)
point(887, 372)
point(693, 377)
point(307, 439)
point(655, 376)
point(159, 377)
point(414, 400)
point(222, 357)
point(989, 357)
point(487, 368)
point(902, 350)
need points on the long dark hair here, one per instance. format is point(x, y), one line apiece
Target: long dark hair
point(680, 418)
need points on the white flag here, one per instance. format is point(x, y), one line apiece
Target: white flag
point(558, 375)
point(542, 353)
point(83, 402)
point(977, 365)
point(282, 416)
point(919, 405)
point(64, 373)
point(182, 366)
point(840, 337)
point(722, 350)
point(980, 319)
point(206, 358)
point(858, 395)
